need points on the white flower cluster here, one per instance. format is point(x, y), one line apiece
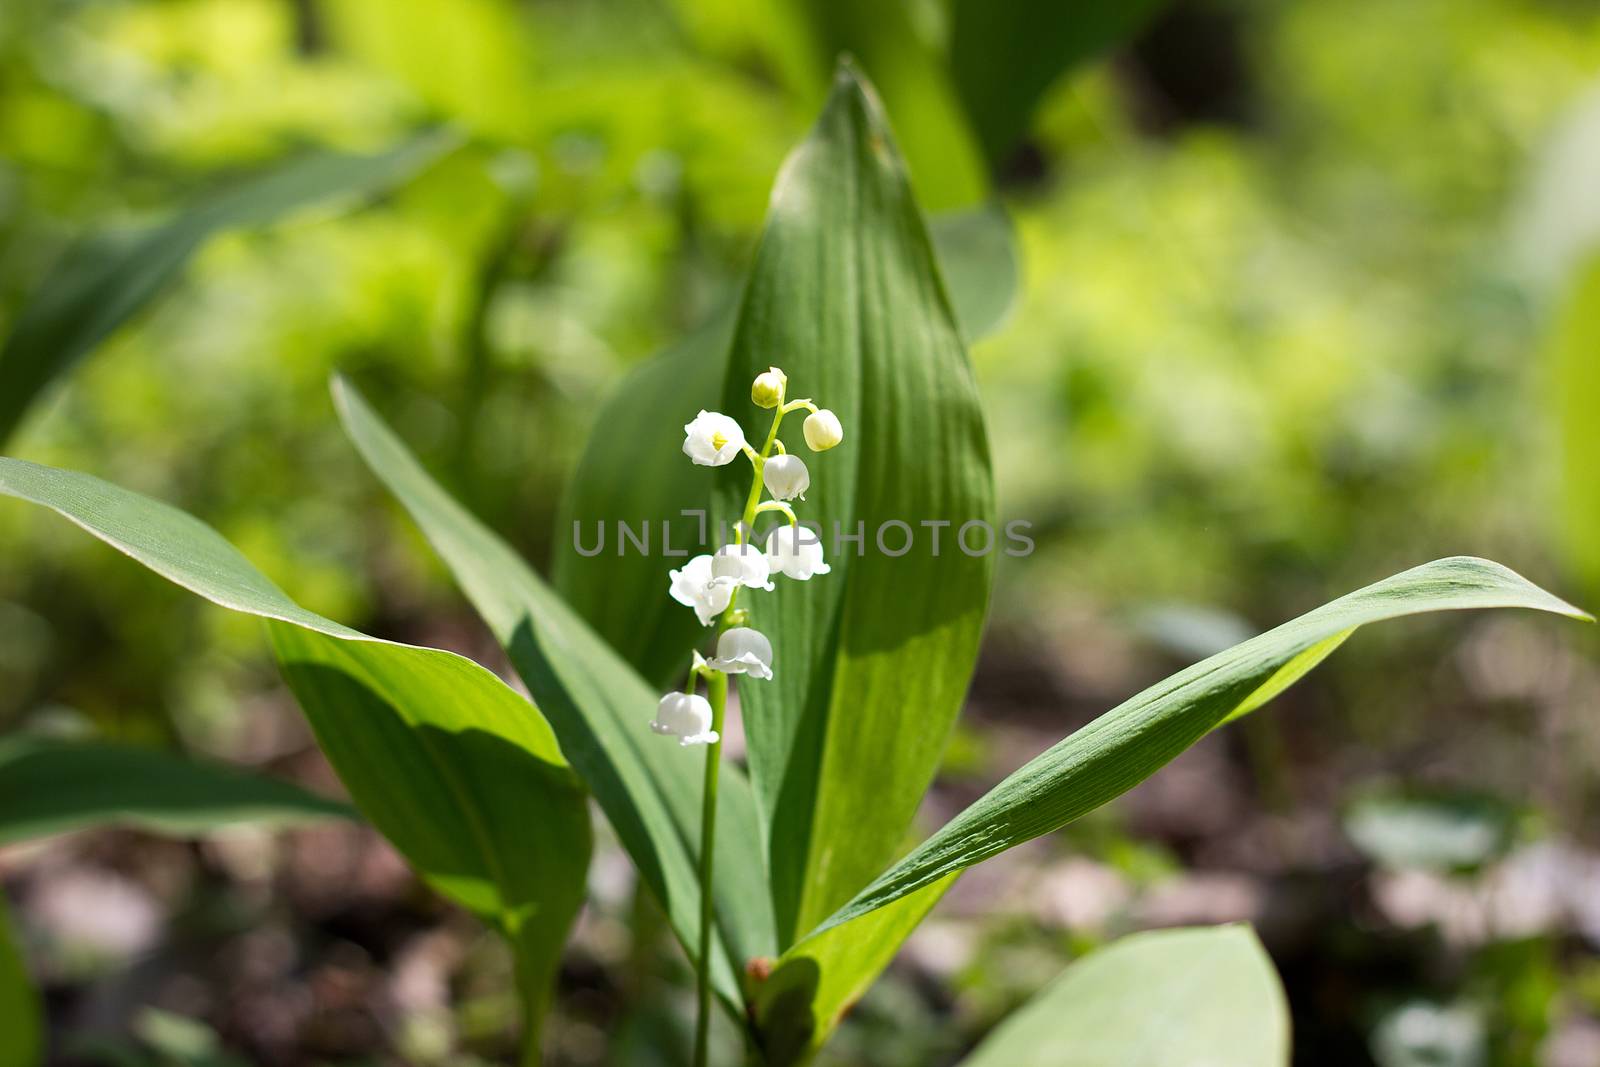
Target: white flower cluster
point(710, 583)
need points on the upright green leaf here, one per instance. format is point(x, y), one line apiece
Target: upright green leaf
point(872, 660)
point(1132, 741)
point(1005, 54)
point(639, 477)
point(21, 1016)
point(108, 278)
point(649, 788)
point(1200, 997)
point(461, 773)
point(50, 786)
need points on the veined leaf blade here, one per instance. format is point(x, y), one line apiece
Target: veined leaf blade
point(378, 706)
point(871, 661)
point(1132, 741)
point(640, 478)
point(600, 708)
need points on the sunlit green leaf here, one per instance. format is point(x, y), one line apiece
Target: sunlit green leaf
point(872, 660)
point(106, 279)
point(1202, 997)
point(50, 786)
point(600, 708)
point(1129, 743)
point(449, 763)
point(639, 478)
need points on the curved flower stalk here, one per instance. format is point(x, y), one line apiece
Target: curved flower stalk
point(710, 584)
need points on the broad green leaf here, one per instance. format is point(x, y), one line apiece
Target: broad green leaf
point(1574, 399)
point(439, 754)
point(600, 708)
point(21, 1015)
point(1005, 54)
point(872, 660)
point(50, 786)
point(639, 477)
point(1132, 741)
point(106, 279)
point(465, 778)
point(1200, 997)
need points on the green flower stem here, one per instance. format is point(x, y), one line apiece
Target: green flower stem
point(717, 694)
point(781, 508)
point(759, 462)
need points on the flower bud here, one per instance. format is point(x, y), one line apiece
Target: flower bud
point(786, 477)
point(767, 389)
point(823, 430)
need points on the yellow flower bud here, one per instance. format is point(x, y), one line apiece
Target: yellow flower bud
point(823, 431)
point(767, 389)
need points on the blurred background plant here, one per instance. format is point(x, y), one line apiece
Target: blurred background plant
point(1309, 293)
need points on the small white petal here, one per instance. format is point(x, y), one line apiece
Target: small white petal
point(743, 650)
point(686, 716)
point(796, 551)
point(786, 477)
point(712, 439)
point(695, 586)
point(823, 430)
point(741, 564)
point(710, 737)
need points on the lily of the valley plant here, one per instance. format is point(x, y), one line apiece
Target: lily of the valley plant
point(786, 880)
point(710, 584)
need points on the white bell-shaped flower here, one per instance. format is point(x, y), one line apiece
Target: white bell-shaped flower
point(742, 650)
point(686, 716)
point(712, 439)
point(822, 430)
point(796, 551)
point(786, 477)
point(694, 586)
point(741, 564)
